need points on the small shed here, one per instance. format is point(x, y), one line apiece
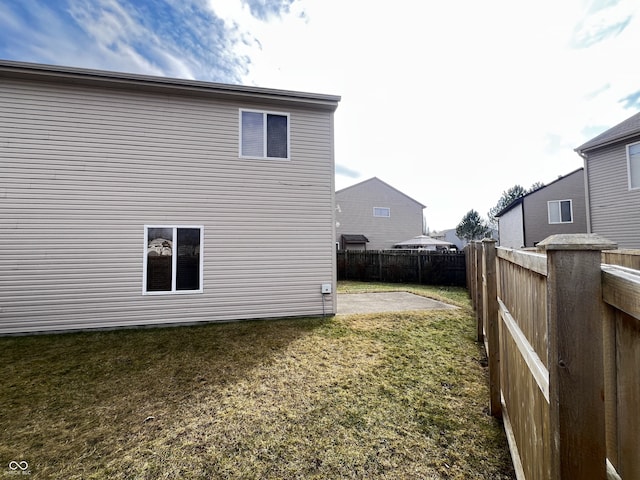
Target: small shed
point(353, 242)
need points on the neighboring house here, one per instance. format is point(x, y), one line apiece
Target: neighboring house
point(376, 215)
point(612, 178)
point(425, 242)
point(449, 235)
point(556, 208)
point(137, 200)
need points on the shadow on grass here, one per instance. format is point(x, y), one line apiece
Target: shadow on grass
point(90, 393)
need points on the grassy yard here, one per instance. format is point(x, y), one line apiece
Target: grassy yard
point(381, 396)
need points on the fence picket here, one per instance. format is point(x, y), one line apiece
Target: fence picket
point(568, 336)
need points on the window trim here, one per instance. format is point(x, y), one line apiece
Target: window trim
point(264, 134)
point(174, 260)
point(382, 208)
point(629, 177)
point(559, 202)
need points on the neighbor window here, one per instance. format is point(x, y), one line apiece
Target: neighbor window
point(264, 134)
point(381, 212)
point(172, 259)
point(560, 211)
point(633, 163)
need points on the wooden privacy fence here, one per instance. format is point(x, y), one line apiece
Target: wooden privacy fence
point(402, 266)
point(562, 334)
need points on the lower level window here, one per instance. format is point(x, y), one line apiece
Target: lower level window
point(173, 259)
point(560, 211)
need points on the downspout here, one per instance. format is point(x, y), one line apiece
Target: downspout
point(524, 229)
point(587, 203)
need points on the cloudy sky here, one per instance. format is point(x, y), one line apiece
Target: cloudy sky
point(451, 102)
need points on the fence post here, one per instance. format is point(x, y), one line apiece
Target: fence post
point(477, 246)
point(473, 277)
point(346, 264)
point(490, 316)
point(576, 371)
point(467, 270)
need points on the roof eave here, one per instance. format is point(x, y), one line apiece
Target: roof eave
point(154, 83)
point(581, 150)
point(512, 205)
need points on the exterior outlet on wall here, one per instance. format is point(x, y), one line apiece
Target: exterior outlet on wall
point(326, 288)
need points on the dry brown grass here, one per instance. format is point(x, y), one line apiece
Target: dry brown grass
point(362, 396)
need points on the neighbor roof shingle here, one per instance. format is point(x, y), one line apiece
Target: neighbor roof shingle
point(629, 128)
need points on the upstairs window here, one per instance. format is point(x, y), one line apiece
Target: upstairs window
point(381, 212)
point(264, 134)
point(560, 211)
point(172, 259)
point(633, 165)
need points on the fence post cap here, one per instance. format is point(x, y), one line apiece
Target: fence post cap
point(577, 241)
point(489, 240)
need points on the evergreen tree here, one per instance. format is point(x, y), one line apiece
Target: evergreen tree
point(507, 197)
point(472, 227)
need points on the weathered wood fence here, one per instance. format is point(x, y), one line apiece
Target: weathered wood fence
point(402, 266)
point(562, 333)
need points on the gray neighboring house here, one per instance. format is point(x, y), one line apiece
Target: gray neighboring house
point(425, 242)
point(449, 235)
point(556, 208)
point(612, 178)
point(133, 200)
point(372, 215)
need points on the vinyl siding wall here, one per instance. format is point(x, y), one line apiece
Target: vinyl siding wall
point(354, 213)
point(536, 211)
point(511, 228)
point(615, 210)
point(83, 169)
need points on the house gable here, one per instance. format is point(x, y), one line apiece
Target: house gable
point(376, 183)
point(378, 211)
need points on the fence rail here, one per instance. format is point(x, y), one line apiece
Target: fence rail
point(561, 328)
point(402, 266)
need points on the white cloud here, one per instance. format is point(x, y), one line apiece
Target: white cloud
point(123, 42)
point(450, 102)
point(450, 108)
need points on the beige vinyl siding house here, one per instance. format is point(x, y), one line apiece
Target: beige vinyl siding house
point(127, 200)
point(557, 208)
point(612, 177)
point(379, 212)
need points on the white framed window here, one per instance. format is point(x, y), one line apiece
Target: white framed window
point(381, 212)
point(264, 134)
point(560, 211)
point(172, 259)
point(633, 165)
